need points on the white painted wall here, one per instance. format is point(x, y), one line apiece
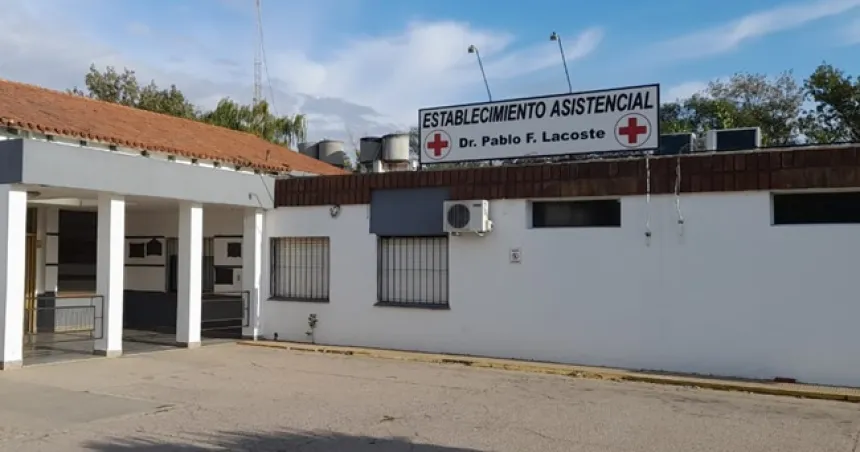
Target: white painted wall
point(731, 295)
point(163, 224)
point(216, 221)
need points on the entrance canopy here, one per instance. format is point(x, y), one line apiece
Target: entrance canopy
point(42, 163)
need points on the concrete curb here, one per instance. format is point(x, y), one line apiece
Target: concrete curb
point(766, 388)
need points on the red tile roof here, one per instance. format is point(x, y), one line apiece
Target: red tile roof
point(51, 112)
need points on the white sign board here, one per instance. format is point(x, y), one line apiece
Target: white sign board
point(576, 123)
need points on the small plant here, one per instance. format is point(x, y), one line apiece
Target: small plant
point(312, 326)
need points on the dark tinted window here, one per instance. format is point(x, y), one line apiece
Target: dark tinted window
point(76, 251)
point(223, 275)
point(816, 208)
point(234, 249)
point(573, 214)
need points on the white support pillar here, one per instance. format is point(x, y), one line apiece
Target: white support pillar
point(110, 268)
point(189, 275)
point(252, 253)
point(51, 247)
point(13, 235)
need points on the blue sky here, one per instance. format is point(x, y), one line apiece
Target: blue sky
point(366, 66)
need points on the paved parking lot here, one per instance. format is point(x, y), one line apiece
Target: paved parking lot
point(236, 398)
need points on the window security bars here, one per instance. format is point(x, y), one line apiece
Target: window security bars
point(412, 271)
point(300, 268)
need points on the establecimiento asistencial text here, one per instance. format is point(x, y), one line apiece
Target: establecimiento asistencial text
point(581, 105)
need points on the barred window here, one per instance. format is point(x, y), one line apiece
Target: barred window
point(412, 271)
point(300, 268)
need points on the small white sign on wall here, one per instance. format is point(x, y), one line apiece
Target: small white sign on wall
point(516, 255)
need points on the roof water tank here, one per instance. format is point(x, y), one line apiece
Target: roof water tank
point(369, 149)
point(395, 147)
point(331, 151)
point(308, 149)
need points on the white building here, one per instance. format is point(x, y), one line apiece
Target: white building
point(748, 272)
point(745, 272)
point(114, 219)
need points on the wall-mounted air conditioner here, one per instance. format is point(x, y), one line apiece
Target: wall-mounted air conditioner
point(467, 216)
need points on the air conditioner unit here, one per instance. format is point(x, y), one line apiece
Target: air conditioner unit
point(677, 143)
point(467, 216)
point(741, 139)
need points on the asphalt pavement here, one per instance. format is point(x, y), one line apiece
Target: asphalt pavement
point(230, 397)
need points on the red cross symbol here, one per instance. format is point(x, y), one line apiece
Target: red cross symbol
point(630, 128)
point(438, 144)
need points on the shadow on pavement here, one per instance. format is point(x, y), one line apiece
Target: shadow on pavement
point(277, 441)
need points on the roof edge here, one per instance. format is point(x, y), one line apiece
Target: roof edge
point(285, 168)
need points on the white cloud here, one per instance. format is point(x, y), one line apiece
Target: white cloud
point(851, 33)
point(427, 64)
point(138, 29)
point(729, 36)
point(48, 54)
point(540, 57)
point(372, 83)
point(683, 91)
point(327, 123)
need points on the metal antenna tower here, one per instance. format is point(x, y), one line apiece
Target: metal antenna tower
point(258, 57)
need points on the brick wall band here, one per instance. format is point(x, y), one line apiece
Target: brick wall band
point(769, 169)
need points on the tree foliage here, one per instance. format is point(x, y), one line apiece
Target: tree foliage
point(124, 88)
point(824, 108)
point(835, 116)
point(258, 120)
point(745, 100)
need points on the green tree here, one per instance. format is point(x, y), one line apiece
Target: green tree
point(750, 100)
point(169, 101)
point(414, 143)
point(294, 128)
point(123, 88)
point(258, 120)
point(228, 114)
point(836, 114)
point(676, 117)
point(745, 100)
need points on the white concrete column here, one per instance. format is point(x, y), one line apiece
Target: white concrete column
point(110, 268)
point(13, 235)
point(189, 275)
point(252, 253)
point(51, 247)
